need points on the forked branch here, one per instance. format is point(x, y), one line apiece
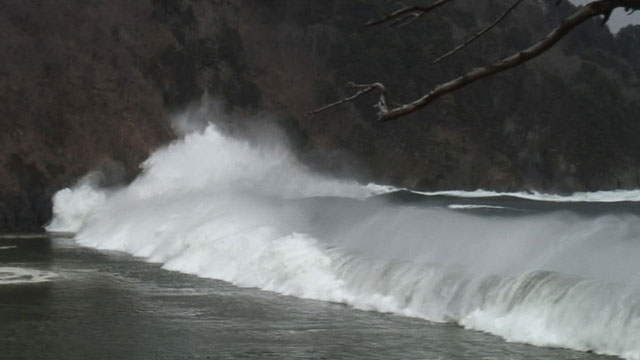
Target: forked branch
point(479, 33)
point(595, 8)
point(364, 88)
point(582, 14)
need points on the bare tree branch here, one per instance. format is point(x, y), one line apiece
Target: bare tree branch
point(479, 33)
point(595, 8)
point(364, 88)
point(410, 11)
point(582, 14)
point(405, 20)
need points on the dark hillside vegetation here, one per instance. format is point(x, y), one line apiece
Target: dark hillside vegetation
point(88, 85)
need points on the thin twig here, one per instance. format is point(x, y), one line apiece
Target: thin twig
point(405, 19)
point(412, 19)
point(479, 33)
point(365, 88)
point(594, 8)
point(407, 10)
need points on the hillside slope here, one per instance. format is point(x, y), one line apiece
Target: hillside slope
point(87, 85)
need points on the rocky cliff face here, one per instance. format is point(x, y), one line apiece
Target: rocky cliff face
point(87, 85)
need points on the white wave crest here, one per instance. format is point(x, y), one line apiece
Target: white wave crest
point(222, 208)
point(72, 205)
point(473, 207)
point(596, 196)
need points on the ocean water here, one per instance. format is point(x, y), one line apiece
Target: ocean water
point(109, 305)
point(497, 270)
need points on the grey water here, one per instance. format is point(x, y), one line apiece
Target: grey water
point(109, 305)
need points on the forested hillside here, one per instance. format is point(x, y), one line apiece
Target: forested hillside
point(88, 85)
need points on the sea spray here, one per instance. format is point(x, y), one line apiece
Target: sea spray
point(223, 208)
point(72, 205)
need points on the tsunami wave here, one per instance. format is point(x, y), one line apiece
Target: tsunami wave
point(223, 208)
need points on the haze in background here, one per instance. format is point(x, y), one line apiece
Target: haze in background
point(619, 18)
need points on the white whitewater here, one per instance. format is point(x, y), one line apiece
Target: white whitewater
point(473, 207)
point(222, 208)
point(596, 196)
point(17, 275)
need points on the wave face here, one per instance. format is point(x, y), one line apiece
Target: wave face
point(222, 208)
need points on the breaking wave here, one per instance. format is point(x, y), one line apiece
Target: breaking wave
point(251, 215)
point(596, 196)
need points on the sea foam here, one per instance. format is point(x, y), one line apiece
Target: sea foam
point(18, 275)
point(223, 208)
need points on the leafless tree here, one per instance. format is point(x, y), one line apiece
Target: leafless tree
point(408, 14)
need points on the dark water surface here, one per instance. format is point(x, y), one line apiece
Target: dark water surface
point(105, 305)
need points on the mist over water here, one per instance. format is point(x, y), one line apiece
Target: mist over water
point(250, 214)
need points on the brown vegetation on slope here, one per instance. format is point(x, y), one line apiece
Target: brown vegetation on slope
point(87, 84)
point(72, 98)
